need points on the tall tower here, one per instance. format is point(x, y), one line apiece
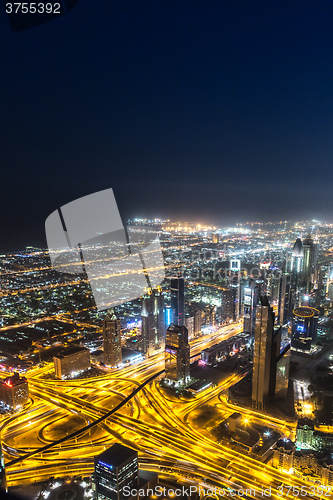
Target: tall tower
point(234, 282)
point(250, 300)
point(297, 257)
point(263, 340)
point(153, 322)
point(296, 268)
point(308, 262)
point(177, 301)
point(285, 299)
point(228, 305)
point(177, 355)
point(197, 321)
point(112, 339)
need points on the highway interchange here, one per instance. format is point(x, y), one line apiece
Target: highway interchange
point(153, 422)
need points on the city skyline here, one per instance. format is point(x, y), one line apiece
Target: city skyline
point(166, 259)
point(228, 353)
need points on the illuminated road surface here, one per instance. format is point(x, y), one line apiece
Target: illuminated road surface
point(156, 426)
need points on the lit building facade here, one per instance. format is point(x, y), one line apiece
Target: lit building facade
point(112, 339)
point(304, 327)
point(177, 355)
point(308, 262)
point(219, 352)
point(282, 373)
point(250, 300)
point(197, 321)
point(297, 257)
point(263, 338)
point(314, 466)
point(153, 322)
point(189, 323)
point(115, 468)
point(14, 391)
point(283, 454)
point(71, 361)
point(177, 301)
point(285, 305)
point(228, 305)
point(210, 315)
point(304, 433)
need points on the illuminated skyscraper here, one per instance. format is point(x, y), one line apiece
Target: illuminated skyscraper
point(282, 373)
point(234, 283)
point(228, 305)
point(308, 262)
point(285, 306)
point(189, 323)
point(115, 468)
point(112, 339)
point(250, 300)
point(297, 257)
point(304, 329)
point(197, 321)
point(177, 301)
point(177, 355)
point(210, 315)
point(297, 272)
point(153, 322)
point(262, 356)
point(168, 316)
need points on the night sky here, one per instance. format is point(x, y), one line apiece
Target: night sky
point(213, 110)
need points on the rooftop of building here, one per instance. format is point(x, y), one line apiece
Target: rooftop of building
point(117, 454)
point(176, 328)
point(13, 380)
point(97, 353)
point(130, 354)
point(287, 444)
point(298, 248)
point(302, 422)
point(111, 315)
point(226, 342)
point(248, 436)
point(146, 476)
point(68, 351)
point(305, 311)
point(200, 384)
point(308, 240)
point(235, 416)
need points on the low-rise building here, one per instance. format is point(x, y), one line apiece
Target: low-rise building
point(218, 352)
point(71, 361)
point(304, 433)
point(97, 356)
point(14, 391)
point(314, 466)
point(199, 386)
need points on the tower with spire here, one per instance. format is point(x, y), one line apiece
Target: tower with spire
point(112, 339)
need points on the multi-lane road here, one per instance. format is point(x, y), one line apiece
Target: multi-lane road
point(157, 425)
